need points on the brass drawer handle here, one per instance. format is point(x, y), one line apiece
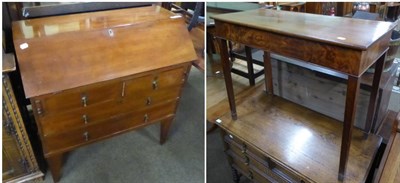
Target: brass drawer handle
point(251, 175)
point(247, 160)
point(86, 136)
point(85, 118)
point(146, 118)
point(84, 100)
point(155, 84)
point(148, 101)
point(244, 149)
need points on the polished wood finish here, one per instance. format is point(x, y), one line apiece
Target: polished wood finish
point(353, 85)
point(350, 50)
point(226, 66)
point(374, 93)
point(164, 128)
point(250, 69)
point(297, 140)
point(268, 73)
point(299, 25)
point(55, 165)
point(330, 56)
point(111, 83)
point(109, 127)
point(105, 31)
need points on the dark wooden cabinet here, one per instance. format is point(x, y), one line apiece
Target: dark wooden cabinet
point(92, 76)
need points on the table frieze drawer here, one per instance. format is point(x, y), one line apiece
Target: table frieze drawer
point(65, 141)
point(152, 83)
point(77, 98)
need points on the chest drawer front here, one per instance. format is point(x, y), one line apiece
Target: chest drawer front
point(251, 157)
point(58, 123)
point(115, 125)
point(159, 81)
point(151, 98)
point(249, 170)
point(77, 98)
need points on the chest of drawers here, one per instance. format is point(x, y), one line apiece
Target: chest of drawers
point(91, 76)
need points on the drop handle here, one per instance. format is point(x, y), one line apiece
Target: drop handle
point(146, 118)
point(244, 149)
point(155, 84)
point(148, 101)
point(86, 136)
point(84, 100)
point(251, 175)
point(85, 118)
point(247, 161)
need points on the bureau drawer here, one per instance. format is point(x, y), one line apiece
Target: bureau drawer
point(60, 122)
point(115, 125)
point(77, 98)
point(160, 81)
point(263, 163)
point(151, 98)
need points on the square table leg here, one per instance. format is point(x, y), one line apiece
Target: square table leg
point(226, 67)
point(353, 85)
point(268, 73)
point(250, 69)
point(370, 124)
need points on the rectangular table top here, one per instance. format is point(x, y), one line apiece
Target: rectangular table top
point(345, 32)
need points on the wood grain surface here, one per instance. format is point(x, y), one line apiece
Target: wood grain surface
point(351, 33)
point(65, 52)
point(295, 136)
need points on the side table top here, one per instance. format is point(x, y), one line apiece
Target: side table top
point(345, 32)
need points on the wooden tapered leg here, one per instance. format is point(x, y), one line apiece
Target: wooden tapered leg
point(370, 124)
point(55, 163)
point(268, 73)
point(353, 85)
point(250, 69)
point(226, 67)
point(164, 129)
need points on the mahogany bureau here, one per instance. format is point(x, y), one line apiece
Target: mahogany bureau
point(301, 141)
point(91, 76)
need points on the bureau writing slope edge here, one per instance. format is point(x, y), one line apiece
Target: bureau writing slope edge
point(306, 144)
point(91, 76)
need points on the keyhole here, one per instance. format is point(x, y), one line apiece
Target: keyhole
point(111, 32)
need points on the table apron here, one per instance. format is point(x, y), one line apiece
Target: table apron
point(346, 60)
